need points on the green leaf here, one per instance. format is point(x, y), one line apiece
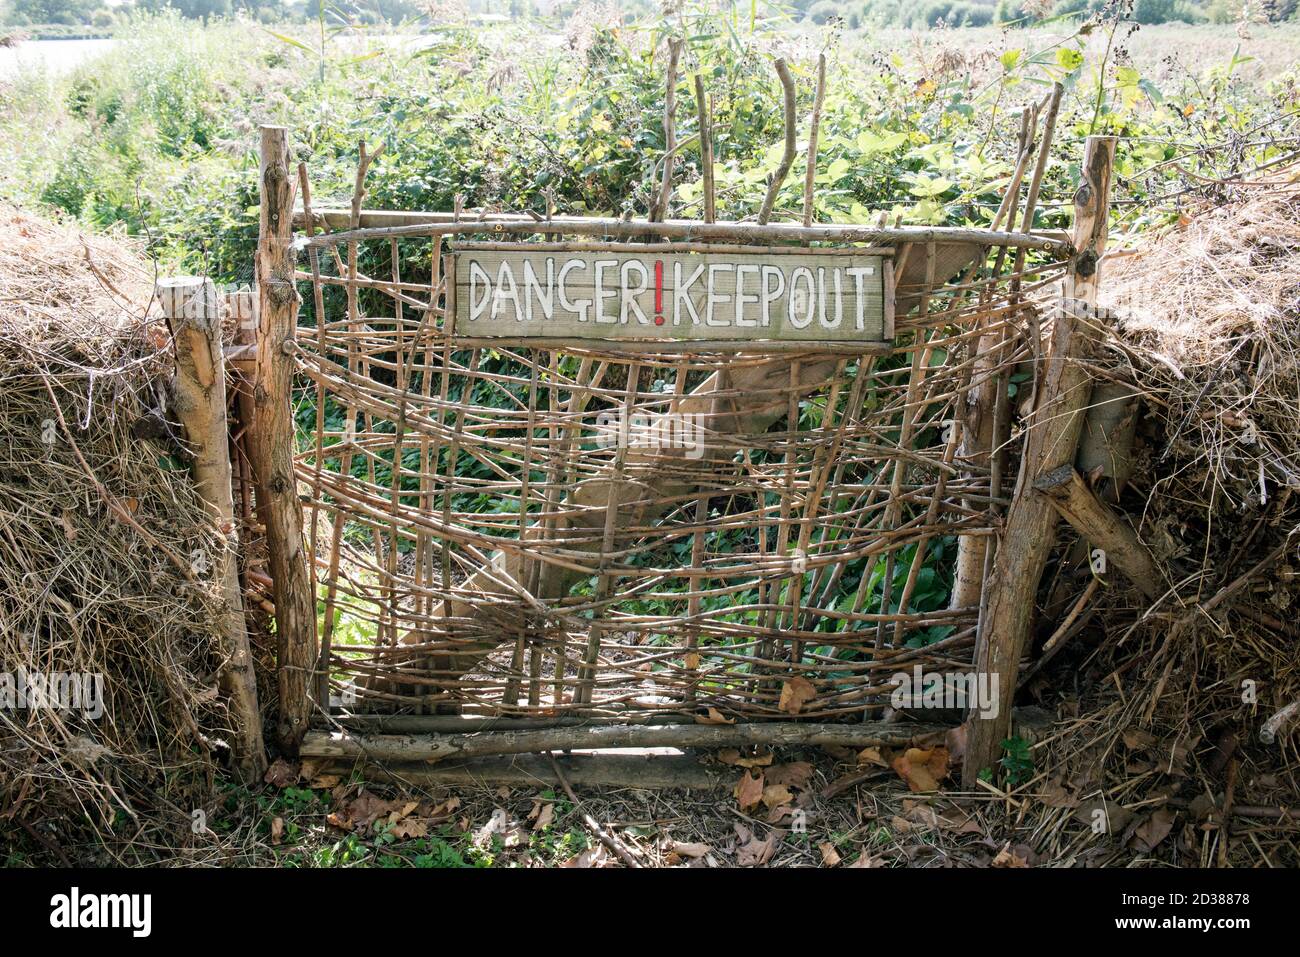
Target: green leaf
point(1069, 59)
point(291, 41)
point(1010, 59)
point(928, 187)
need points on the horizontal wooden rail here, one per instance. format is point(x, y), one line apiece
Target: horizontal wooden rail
point(379, 224)
point(434, 747)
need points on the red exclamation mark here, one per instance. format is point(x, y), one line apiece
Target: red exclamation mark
point(659, 292)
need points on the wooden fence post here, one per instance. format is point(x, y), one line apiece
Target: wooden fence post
point(192, 309)
point(272, 444)
point(1052, 436)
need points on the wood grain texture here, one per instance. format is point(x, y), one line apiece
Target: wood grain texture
point(670, 296)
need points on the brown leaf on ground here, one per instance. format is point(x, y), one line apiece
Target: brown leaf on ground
point(750, 851)
point(778, 814)
point(1112, 818)
point(364, 810)
point(774, 795)
point(1153, 830)
point(918, 812)
point(1012, 856)
point(411, 827)
point(1135, 739)
point(594, 856)
point(922, 769)
point(956, 822)
point(734, 757)
point(544, 817)
point(872, 756)
point(795, 693)
point(1054, 794)
point(677, 851)
point(830, 856)
point(282, 773)
point(795, 774)
point(749, 790)
point(438, 813)
point(866, 860)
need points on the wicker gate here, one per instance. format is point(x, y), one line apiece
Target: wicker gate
point(650, 530)
point(615, 529)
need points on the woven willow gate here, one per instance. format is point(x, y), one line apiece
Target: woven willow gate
point(620, 532)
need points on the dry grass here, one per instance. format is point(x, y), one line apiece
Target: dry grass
point(1157, 723)
point(97, 530)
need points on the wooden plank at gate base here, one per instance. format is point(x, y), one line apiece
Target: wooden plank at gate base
point(705, 297)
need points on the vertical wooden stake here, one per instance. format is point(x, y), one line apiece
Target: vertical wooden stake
point(659, 207)
point(1052, 435)
point(193, 312)
point(272, 443)
point(810, 175)
point(706, 149)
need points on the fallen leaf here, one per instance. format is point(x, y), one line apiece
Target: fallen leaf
point(830, 856)
point(1153, 830)
point(677, 850)
point(412, 827)
point(778, 814)
point(401, 812)
point(1053, 794)
point(594, 856)
point(714, 716)
point(774, 795)
point(795, 693)
point(922, 769)
point(795, 774)
point(1011, 857)
point(544, 817)
point(959, 823)
point(1113, 818)
point(750, 851)
point(363, 811)
point(866, 860)
point(872, 756)
point(749, 790)
point(442, 812)
point(922, 814)
point(734, 757)
point(1136, 739)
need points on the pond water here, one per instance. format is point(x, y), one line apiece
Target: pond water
point(54, 56)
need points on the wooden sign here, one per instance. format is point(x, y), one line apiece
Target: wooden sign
point(550, 292)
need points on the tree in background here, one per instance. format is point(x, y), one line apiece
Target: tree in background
point(64, 12)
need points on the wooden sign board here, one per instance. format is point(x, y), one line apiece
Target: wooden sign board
point(550, 292)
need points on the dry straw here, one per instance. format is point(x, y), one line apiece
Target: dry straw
point(101, 538)
point(1174, 696)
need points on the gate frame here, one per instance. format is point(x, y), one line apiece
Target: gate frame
point(1016, 571)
